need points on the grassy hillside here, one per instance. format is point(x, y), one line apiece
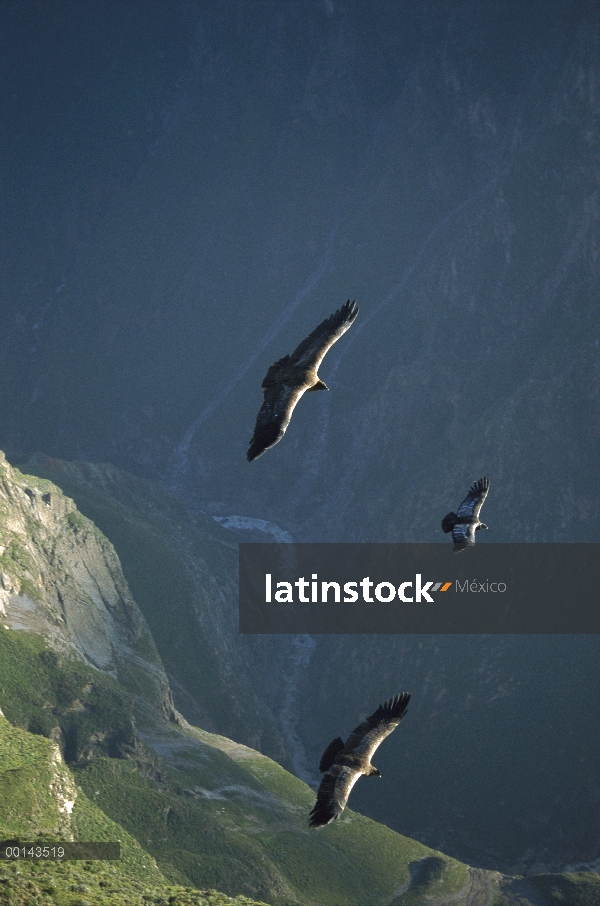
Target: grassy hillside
point(59, 697)
point(39, 800)
point(195, 809)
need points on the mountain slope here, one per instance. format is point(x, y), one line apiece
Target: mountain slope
point(198, 810)
point(101, 753)
point(39, 800)
point(209, 811)
point(182, 570)
point(492, 722)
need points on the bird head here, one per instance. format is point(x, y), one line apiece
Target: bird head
point(482, 525)
point(375, 772)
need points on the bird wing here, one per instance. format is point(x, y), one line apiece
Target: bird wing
point(463, 535)
point(274, 416)
point(371, 733)
point(471, 505)
point(311, 351)
point(333, 793)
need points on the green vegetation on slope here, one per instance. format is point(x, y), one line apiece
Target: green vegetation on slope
point(212, 815)
point(27, 771)
point(62, 698)
point(31, 775)
point(61, 578)
point(97, 884)
point(580, 889)
point(212, 823)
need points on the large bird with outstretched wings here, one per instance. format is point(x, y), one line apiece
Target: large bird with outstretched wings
point(343, 763)
point(465, 523)
point(289, 378)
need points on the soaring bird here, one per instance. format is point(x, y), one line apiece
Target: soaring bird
point(290, 377)
point(343, 763)
point(465, 523)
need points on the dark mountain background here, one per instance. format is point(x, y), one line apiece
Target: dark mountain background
point(187, 189)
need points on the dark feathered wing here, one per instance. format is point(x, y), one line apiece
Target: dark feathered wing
point(311, 351)
point(370, 734)
point(333, 794)
point(274, 416)
point(471, 505)
point(336, 784)
point(463, 535)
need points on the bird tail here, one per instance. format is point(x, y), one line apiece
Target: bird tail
point(448, 522)
point(330, 752)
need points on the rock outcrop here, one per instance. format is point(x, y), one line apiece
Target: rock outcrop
point(61, 578)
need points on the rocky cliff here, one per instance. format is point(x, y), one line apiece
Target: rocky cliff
point(62, 580)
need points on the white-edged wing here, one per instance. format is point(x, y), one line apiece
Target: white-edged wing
point(333, 794)
point(274, 417)
point(471, 505)
point(370, 734)
point(311, 351)
point(463, 535)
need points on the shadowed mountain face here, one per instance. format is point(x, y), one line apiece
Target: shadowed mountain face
point(189, 192)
